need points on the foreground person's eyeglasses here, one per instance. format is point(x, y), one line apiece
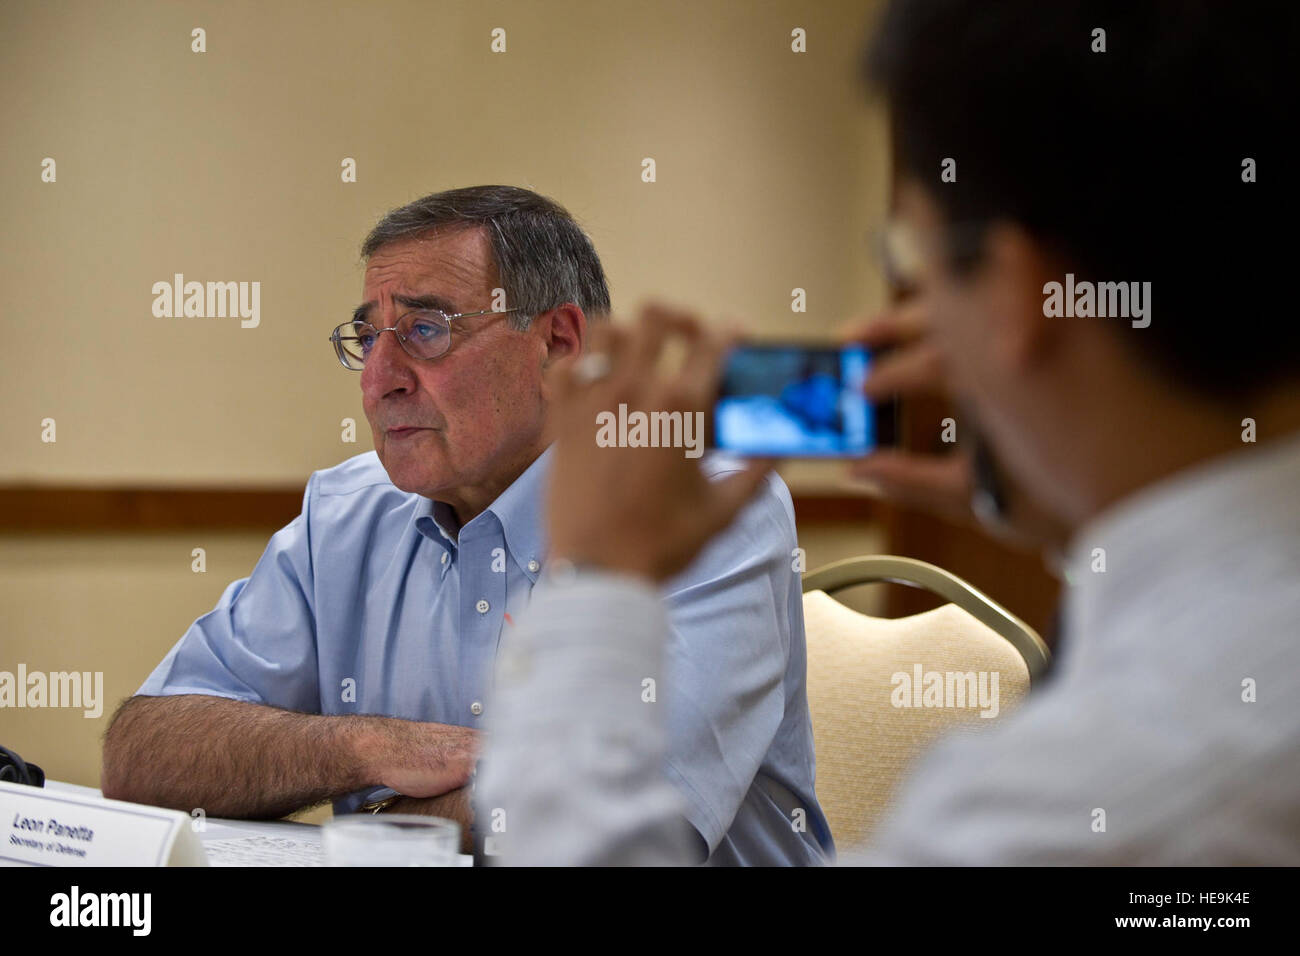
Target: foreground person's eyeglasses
point(902, 252)
point(423, 334)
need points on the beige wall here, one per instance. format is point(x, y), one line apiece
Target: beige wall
point(111, 603)
point(225, 166)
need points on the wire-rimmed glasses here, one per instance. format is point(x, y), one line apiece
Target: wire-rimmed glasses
point(422, 333)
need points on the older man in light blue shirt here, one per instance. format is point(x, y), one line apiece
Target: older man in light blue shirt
point(390, 592)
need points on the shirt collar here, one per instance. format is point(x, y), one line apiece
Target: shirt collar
point(1172, 531)
point(518, 509)
point(437, 522)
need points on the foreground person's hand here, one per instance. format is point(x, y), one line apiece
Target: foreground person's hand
point(641, 511)
point(940, 484)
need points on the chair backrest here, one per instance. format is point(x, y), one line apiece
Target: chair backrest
point(881, 691)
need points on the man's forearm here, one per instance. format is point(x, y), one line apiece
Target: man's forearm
point(238, 759)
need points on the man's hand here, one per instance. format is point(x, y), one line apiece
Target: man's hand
point(420, 759)
point(641, 511)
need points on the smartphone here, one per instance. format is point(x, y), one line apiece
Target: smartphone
point(793, 400)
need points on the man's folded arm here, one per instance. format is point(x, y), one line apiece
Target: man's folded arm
point(573, 671)
point(234, 758)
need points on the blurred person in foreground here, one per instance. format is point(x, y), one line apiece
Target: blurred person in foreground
point(1166, 439)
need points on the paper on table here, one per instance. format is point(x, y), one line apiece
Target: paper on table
point(264, 851)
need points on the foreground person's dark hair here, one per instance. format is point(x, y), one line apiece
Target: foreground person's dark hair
point(1127, 162)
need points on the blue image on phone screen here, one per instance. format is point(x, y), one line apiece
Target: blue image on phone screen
point(794, 401)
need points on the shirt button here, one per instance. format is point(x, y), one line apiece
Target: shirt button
point(476, 708)
point(482, 606)
point(533, 566)
point(444, 557)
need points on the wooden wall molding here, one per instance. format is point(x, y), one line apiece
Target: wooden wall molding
point(40, 508)
point(44, 508)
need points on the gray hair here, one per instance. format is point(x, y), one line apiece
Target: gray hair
point(542, 256)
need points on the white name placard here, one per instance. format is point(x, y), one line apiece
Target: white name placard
point(42, 827)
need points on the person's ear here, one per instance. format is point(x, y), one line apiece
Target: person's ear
point(1017, 269)
point(564, 332)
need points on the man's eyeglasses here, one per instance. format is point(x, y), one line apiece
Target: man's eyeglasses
point(422, 333)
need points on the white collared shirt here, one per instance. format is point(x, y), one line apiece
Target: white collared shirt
point(1169, 732)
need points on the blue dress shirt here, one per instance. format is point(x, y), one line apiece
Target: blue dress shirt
point(373, 601)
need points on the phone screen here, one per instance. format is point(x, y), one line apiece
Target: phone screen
point(798, 401)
